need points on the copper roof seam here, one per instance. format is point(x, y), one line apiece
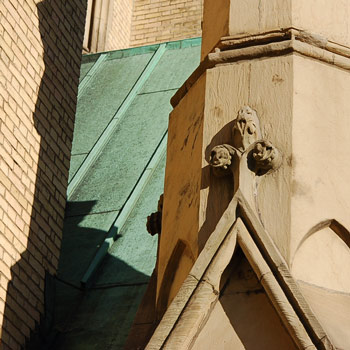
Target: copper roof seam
point(124, 213)
point(107, 133)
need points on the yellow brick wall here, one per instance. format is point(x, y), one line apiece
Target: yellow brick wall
point(118, 31)
point(39, 69)
point(157, 21)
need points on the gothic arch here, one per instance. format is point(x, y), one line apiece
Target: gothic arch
point(323, 255)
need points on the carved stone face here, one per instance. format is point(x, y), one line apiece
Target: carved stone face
point(246, 129)
point(259, 155)
point(220, 157)
point(266, 156)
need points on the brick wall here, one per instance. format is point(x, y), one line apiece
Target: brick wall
point(39, 68)
point(141, 22)
point(118, 31)
point(157, 21)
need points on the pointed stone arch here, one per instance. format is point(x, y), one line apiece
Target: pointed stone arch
point(321, 267)
point(340, 230)
point(192, 307)
point(322, 257)
point(243, 318)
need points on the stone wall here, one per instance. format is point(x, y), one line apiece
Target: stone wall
point(39, 64)
point(155, 21)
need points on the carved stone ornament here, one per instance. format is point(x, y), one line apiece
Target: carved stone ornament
point(154, 221)
point(259, 155)
point(266, 156)
point(221, 159)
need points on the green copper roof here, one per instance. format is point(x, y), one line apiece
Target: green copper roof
point(116, 177)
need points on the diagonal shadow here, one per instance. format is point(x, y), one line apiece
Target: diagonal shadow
point(220, 190)
point(28, 313)
point(100, 316)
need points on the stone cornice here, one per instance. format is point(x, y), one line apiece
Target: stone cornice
point(269, 44)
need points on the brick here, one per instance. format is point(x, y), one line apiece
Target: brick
point(179, 20)
point(20, 223)
point(6, 158)
point(11, 213)
point(2, 308)
point(7, 129)
point(7, 259)
point(20, 144)
point(5, 270)
point(13, 202)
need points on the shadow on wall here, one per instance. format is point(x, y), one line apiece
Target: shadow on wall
point(26, 315)
point(220, 190)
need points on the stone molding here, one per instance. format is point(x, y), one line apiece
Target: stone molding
point(264, 258)
point(280, 269)
point(269, 44)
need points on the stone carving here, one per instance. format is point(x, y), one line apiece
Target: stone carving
point(266, 157)
point(154, 221)
point(221, 159)
point(246, 129)
point(247, 142)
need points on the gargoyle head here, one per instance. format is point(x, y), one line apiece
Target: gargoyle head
point(221, 159)
point(266, 157)
point(246, 129)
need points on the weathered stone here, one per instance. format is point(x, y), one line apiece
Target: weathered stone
point(280, 165)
